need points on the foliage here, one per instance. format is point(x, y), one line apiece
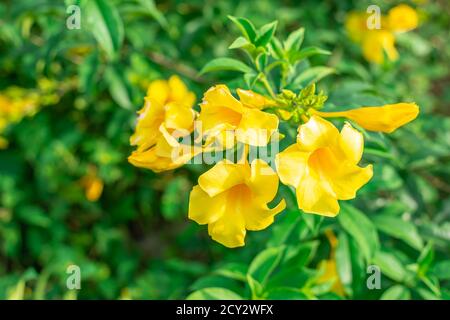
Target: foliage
point(135, 241)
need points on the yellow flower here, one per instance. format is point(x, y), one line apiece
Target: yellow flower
point(385, 118)
point(93, 186)
point(356, 25)
point(232, 198)
point(167, 115)
point(323, 166)
point(223, 116)
point(402, 18)
point(168, 104)
point(166, 154)
point(329, 267)
point(377, 42)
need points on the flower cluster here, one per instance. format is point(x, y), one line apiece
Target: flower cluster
point(322, 165)
point(15, 105)
point(377, 38)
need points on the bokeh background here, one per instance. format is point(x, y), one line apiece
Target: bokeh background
point(69, 196)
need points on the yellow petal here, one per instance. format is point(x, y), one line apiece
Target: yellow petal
point(356, 25)
point(403, 18)
point(263, 181)
point(291, 165)
point(349, 179)
point(223, 176)
point(179, 93)
point(150, 118)
point(316, 133)
point(376, 42)
point(252, 99)
point(256, 127)
point(159, 90)
point(229, 230)
point(316, 196)
point(352, 143)
point(385, 118)
point(220, 96)
point(179, 117)
point(259, 218)
point(203, 208)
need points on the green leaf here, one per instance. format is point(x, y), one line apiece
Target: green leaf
point(239, 43)
point(286, 293)
point(312, 75)
point(87, 72)
point(221, 64)
point(397, 292)
point(390, 265)
point(118, 88)
point(106, 26)
point(425, 259)
point(266, 33)
point(246, 27)
point(214, 294)
point(34, 215)
point(236, 271)
point(295, 40)
point(343, 259)
point(306, 53)
point(265, 263)
point(261, 268)
point(277, 48)
point(442, 270)
point(153, 11)
point(360, 228)
point(400, 229)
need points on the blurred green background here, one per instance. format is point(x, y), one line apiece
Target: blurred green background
point(78, 91)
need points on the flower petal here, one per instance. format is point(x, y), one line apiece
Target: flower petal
point(179, 117)
point(291, 165)
point(220, 96)
point(402, 18)
point(252, 99)
point(315, 196)
point(229, 230)
point(256, 127)
point(263, 181)
point(349, 180)
point(352, 143)
point(259, 218)
point(203, 208)
point(316, 133)
point(223, 176)
point(159, 91)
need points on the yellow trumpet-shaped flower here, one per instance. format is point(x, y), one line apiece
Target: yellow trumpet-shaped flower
point(323, 166)
point(232, 198)
point(167, 115)
point(377, 40)
point(166, 154)
point(385, 118)
point(168, 104)
point(402, 18)
point(93, 186)
point(376, 43)
point(329, 269)
point(221, 113)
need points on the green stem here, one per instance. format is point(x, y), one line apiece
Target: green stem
point(266, 84)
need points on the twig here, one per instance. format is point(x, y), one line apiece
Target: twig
point(177, 66)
